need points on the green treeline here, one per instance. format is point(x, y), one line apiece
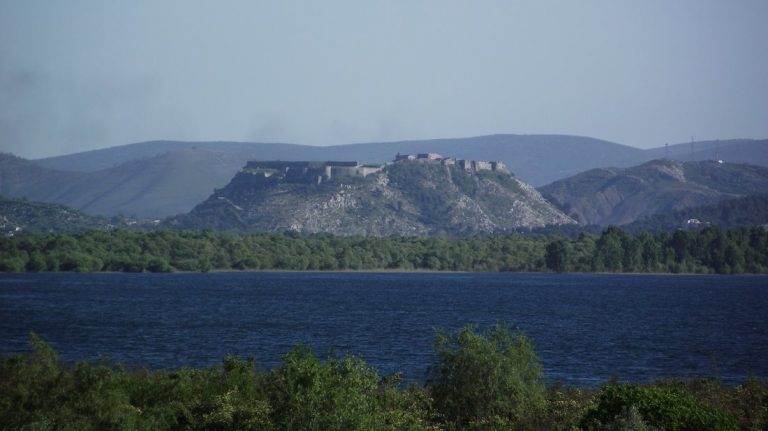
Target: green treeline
point(488, 380)
point(711, 250)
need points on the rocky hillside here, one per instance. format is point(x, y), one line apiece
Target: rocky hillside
point(19, 215)
point(747, 211)
point(620, 196)
point(406, 198)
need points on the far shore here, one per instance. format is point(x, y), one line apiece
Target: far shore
point(388, 271)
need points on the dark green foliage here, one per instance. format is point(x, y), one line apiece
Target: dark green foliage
point(480, 381)
point(557, 255)
point(36, 392)
point(709, 250)
point(566, 406)
point(667, 408)
point(628, 419)
point(487, 381)
point(341, 394)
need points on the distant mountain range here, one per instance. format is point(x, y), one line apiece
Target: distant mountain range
point(754, 152)
point(616, 196)
point(405, 198)
point(539, 159)
point(163, 178)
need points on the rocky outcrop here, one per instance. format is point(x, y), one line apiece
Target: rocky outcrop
point(406, 198)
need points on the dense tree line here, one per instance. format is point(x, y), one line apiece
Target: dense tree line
point(710, 250)
point(489, 380)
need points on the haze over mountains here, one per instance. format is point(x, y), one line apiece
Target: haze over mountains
point(163, 178)
point(156, 187)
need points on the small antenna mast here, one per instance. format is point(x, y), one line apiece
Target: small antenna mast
point(691, 148)
point(717, 149)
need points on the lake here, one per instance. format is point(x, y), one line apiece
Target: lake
point(586, 328)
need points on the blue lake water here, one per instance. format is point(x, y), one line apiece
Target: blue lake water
point(586, 328)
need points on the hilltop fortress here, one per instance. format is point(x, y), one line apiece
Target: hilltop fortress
point(309, 172)
point(469, 165)
point(318, 172)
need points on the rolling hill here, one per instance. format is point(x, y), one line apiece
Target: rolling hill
point(747, 211)
point(156, 187)
point(620, 196)
point(22, 178)
point(538, 159)
point(752, 151)
point(19, 215)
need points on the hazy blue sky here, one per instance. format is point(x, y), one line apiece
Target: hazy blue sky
point(78, 75)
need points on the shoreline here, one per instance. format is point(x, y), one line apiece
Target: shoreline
point(389, 271)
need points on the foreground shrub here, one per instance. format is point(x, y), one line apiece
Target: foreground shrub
point(629, 419)
point(338, 394)
point(671, 409)
point(566, 406)
point(487, 381)
point(32, 388)
point(748, 402)
point(36, 393)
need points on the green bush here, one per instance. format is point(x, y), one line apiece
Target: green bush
point(629, 419)
point(338, 394)
point(671, 409)
point(566, 406)
point(487, 380)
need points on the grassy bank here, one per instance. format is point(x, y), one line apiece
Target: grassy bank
point(489, 380)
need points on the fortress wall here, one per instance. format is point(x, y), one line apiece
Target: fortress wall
point(482, 166)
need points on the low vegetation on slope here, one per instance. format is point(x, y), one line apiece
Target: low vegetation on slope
point(747, 211)
point(21, 215)
point(488, 380)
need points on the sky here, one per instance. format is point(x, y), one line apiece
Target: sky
point(79, 75)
